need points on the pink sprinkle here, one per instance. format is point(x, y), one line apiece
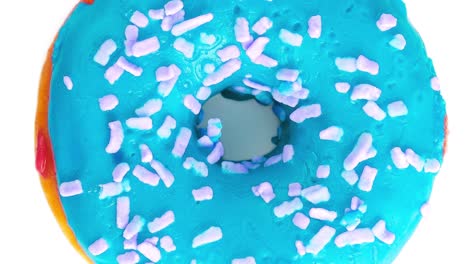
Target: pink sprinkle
point(363, 150)
point(98, 247)
point(316, 194)
point(130, 243)
point(164, 74)
point(350, 177)
point(173, 7)
point(225, 71)
point(166, 128)
point(146, 154)
point(256, 86)
point(322, 214)
point(131, 36)
point(156, 14)
point(273, 160)
point(320, 240)
point(216, 154)
point(380, 231)
point(167, 244)
point(399, 158)
point(145, 47)
point(300, 248)
point(346, 64)
point(160, 223)
point(123, 211)
point(113, 73)
point(169, 21)
point(234, 168)
point(241, 30)
point(214, 127)
point(68, 189)
point(105, 51)
point(116, 137)
point(386, 22)
point(315, 27)
point(191, 24)
point(288, 208)
point(182, 142)
point(203, 93)
point(355, 237)
point(129, 67)
point(294, 189)
point(205, 142)
point(108, 102)
point(435, 84)
point(210, 235)
point(264, 190)
point(134, 227)
point(146, 176)
point(366, 65)
point(152, 240)
point(290, 38)
point(247, 260)
point(300, 220)
point(374, 111)
point(185, 47)
point(287, 100)
point(432, 166)
point(287, 75)
point(166, 176)
point(112, 189)
point(228, 52)
point(119, 171)
point(262, 25)
point(342, 87)
point(305, 112)
point(288, 153)
point(366, 92)
point(149, 251)
point(398, 42)
point(192, 104)
point(199, 167)
point(202, 194)
point(150, 108)
point(128, 258)
point(140, 123)
point(257, 47)
point(68, 82)
point(396, 109)
point(323, 171)
point(414, 160)
point(266, 61)
point(332, 133)
point(139, 19)
point(367, 178)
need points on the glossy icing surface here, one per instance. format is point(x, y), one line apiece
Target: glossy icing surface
point(250, 227)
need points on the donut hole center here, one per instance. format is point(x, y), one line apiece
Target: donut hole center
point(248, 127)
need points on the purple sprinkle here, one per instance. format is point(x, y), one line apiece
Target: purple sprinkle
point(119, 171)
point(290, 38)
point(362, 151)
point(68, 189)
point(386, 22)
point(150, 108)
point(131, 36)
point(294, 189)
point(145, 176)
point(367, 178)
point(128, 258)
point(365, 65)
point(397, 109)
point(262, 25)
point(169, 21)
point(374, 111)
point(202, 194)
point(257, 47)
point(108, 102)
point(241, 30)
point(146, 154)
point(159, 223)
point(116, 137)
point(432, 166)
point(332, 133)
point(342, 87)
point(414, 160)
point(113, 73)
point(350, 177)
point(320, 240)
point(380, 231)
point(68, 82)
point(306, 112)
point(247, 260)
point(205, 142)
point(173, 7)
point(264, 190)
point(203, 93)
point(134, 227)
point(216, 154)
point(214, 128)
point(323, 171)
point(98, 247)
point(166, 176)
point(287, 208)
point(287, 75)
point(233, 168)
point(167, 244)
point(210, 235)
point(149, 251)
point(191, 24)
point(129, 67)
point(123, 211)
point(346, 64)
point(322, 214)
point(228, 52)
point(152, 240)
point(185, 47)
point(112, 189)
point(287, 100)
point(182, 142)
point(166, 128)
point(145, 47)
point(105, 51)
point(165, 73)
point(356, 203)
point(140, 123)
point(192, 104)
point(139, 19)
point(316, 194)
point(355, 237)
point(273, 160)
point(156, 14)
point(315, 27)
point(288, 153)
point(256, 85)
point(301, 221)
point(399, 158)
point(130, 243)
point(165, 87)
point(366, 92)
point(199, 167)
point(250, 165)
point(435, 84)
point(266, 61)
point(398, 42)
point(225, 71)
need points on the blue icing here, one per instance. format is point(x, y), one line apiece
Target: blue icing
point(79, 130)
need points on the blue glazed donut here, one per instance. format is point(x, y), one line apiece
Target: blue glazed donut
point(360, 141)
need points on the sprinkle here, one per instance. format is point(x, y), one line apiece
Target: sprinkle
point(305, 112)
point(287, 100)
point(380, 231)
point(68, 189)
point(116, 137)
point(169, 21)
point(113, 73)
point(156, 14)
point(355, 237)
point(209, 68)
point(228, 52)
point(316, 194)
point(358, 204)
point(300, 248)
point(130, 243)
point(98, 247)
point(203, 93)
point(68, 82)
point(140, 123)
point(145, 175)
point(256, 86)
point(290, 38)
point(346, 64)
point(432, 166)
point(247, 260)
point(273, 160)
point(367, 178)
point(294, 189)
point(207, 39)
point(435, 84)
point(185, 47)
point(166, 128)
point(342, 87)
point(374, 111)
point(225, 71)
point(112, 189)
point(332, 133)
point(398, 42)
point(257, 47)
point(192, 104)
point(362, 151)
point(131, 36)
point(149, 251)
point(105, 51)
point(173, 7)
point(322, 214)
point(250, 165)
point(166, 176)
point(123, 211)
point(181, 143)
point(108, 102)
point(315, 27)
point(216, 154)
point(414, 160)
point(266, 61)
point(366, 92)
point(160, 223)
point(119, 171)
point(365, 65)
point(320, 240)
point(128, 258)
point(287, 75)
point(167, 244)
point(397, 108)
point(191, 24)
point(350, 177)
point(134, 227)
point(205, 142)
point(233, 168)
point(139, 19)
point(288, 207)
point(145, 47)
point(214, 128)
point(198, 166)
point(202, 194)
point(241, 30)
point(262, 25)
point(288, 153)
point(301, 221)
point(386, 22)
point(323, 171)
point(264, 190)
point(210, 235)
point(399, 158)
point(129, 67)
point(149, 108)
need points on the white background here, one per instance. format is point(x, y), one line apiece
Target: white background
point(29, 233)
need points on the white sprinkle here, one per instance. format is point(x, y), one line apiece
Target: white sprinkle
point(145, 176)
point(435, 84)
point(316, 194)
point(108, 102)
point(169, 21)
point(166, 128)
point(164, 73)
point(315, 27)
point(320, 240)
point(322, 214)
point(129, 67)
point(205, 142)
point(113, 73)
point(173, 7)
point(432, 166)
point(397, 108)
point(288, 207)
point(192, 104)
point(264, 190)
point(131, 36)
point(182, 142)
point(116, 137)
point(350, 177)
point(166, 176)
point(365, 65)
point(140, 123)
point(332, 133)
point(112, 189)
point(123, 211)
point(209, 68)
point(355, 237)
point(374, 111)
point(287, 100)
point(156, 14)
point(241, 30)
point(288, 153)
point(362, 151)
point(294, 189)
point(290, 38)
point(228, 52)
point(367, 178)
point(202, 194)
point(414, 160)
point(323, 171)
point(256, 86)
point(150, 108)
point(287, 75)
point(386, 22)
point(139, 19)
point(273, 160)
point(346, 64)
point(266, 61)
point(119, 171)
point(167, 244)
point(358, 204)
point(234, 168)
point(128, 258)
point(380, 231)
point(366, 92)
point(306, 112)
point(149, 251)
point(185, 47)
point(98, 247)
point(247, 260)
point(145, 47)
point(300, 248)
point(399, 158)
point(191, 24)
point(257, 47)
point(198, 166)
point(342, 87)
point(203, 93)
point(210, 235)
point(68, 82)
point(262, 25)
point(68, 189)
point(105, 51)
point(134, 227)
point(160, 223)
point(225, 71)
point(398, 42)
point(301, 221)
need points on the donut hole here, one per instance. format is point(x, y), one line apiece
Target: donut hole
point(249, 129)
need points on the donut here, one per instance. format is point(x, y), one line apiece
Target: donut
point(131, 178)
